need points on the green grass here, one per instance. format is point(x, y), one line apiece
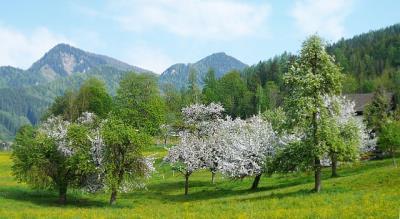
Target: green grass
point(364, 190)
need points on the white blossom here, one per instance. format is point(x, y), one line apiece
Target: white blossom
point(57, 129)
point(198, 113)
point(97, 147)
point(188, 155)
point(87, 118)
point(246, 146)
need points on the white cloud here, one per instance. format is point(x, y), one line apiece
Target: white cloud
point(21, 50)
point(206, 19)
point(325, 17)
point(147, 57)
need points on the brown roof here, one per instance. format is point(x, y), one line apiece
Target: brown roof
point(362, 100)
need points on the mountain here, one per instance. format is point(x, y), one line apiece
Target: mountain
point(221, 63)
point(61, 61)
point(26, 94)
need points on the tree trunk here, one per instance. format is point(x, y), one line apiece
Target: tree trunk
point(113, 198)
point(394, 159)
point(334, 165)
point(165, 141)
point(212, 177)
point(317, 161)
point(256, 182)
point(62, 198)
point(317, 172)
point(187, 183)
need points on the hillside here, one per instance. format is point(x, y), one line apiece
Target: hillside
point(368, 60)
point(363, 190)
point(221, 63)
point(25, 94)
point(372, 59)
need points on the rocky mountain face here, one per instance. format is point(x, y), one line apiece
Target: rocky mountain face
point(221, 63)
point(61, 61)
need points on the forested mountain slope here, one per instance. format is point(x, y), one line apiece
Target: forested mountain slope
point(368, 60)
point(371, 59)
point(25, 94)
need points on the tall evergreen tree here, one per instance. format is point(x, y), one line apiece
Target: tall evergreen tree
point(210, 87)
point(193, 91)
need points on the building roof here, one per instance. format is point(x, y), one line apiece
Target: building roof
point(362, 100)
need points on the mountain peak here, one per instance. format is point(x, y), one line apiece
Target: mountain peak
point(64, 60)
point(218, 54)
point(63, 47)
point(220, 62)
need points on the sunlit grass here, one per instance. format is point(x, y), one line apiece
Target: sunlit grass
point(368, 189)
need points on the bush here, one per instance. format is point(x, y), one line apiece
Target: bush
point(389, 139)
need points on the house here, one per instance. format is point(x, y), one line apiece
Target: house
point(5, 146)
point(363, 100)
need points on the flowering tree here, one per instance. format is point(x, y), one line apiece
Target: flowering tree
point(56, 155)
point(247, 146)
point(202, 121)
point(188, 156)
point(196, 149)
point(313, 76)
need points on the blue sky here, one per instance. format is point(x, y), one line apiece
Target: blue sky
point(156, 34)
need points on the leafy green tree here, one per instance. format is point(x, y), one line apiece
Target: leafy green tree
point(350, 84)
point(342, 141)
point(396, 83)
point(273, 94)
point(234, 95)
point(340, 131)
point(210, 87)
point(261, 99)
point(124, 162)
point(193, 90)
point(139, 104)
point(64, 106)
point(93, 97)
point(313, 76)
point(174, 102)
point(376, 113)
point(277, 118)
point(389, 139)
point(55, 156)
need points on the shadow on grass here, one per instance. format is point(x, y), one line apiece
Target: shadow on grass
point(49, 199)
point(203, 190)
point(209, 191)
point(296, 193)
point(272, 195)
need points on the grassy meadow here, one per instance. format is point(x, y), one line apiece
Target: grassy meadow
point(363, 190)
